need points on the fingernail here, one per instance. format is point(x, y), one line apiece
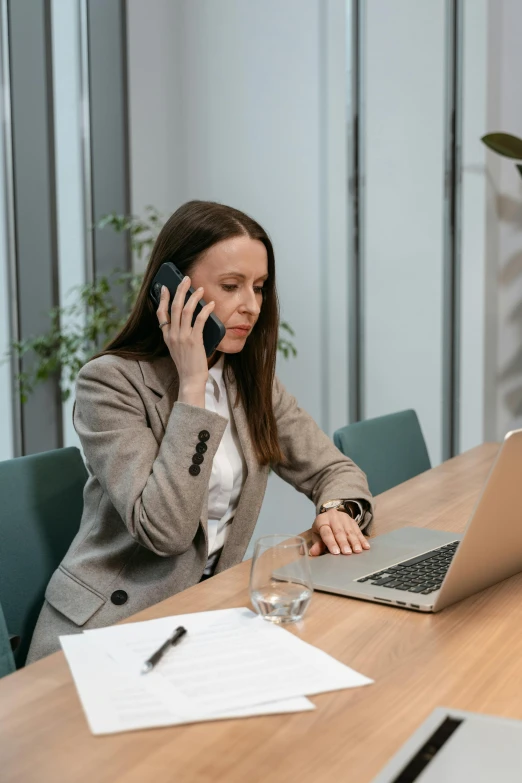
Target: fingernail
point(185, 278)
point(163, 288)
point(200, 289)
point(357, 548)
point(346, 550)
point(335, 550)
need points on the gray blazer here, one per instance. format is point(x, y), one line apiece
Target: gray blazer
point(143, 534)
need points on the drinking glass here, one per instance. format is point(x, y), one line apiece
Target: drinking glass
point(280, 579)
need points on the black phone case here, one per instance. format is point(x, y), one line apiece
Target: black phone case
point(169, 275)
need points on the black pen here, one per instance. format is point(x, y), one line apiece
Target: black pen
point(158, 655)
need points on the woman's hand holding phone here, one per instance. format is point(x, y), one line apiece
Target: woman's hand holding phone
point(184, 341)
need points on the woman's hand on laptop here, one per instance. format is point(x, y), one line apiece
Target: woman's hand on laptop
point(337, 532)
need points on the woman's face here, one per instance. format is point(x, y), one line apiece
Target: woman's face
point(232, 274)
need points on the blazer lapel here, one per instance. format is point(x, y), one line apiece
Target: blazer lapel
point(165, 405)
point(162, 377)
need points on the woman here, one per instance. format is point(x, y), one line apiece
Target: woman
point(178, 447)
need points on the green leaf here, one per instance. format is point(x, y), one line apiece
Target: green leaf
point(504, 144)
point(143, 232)
point(284, 325)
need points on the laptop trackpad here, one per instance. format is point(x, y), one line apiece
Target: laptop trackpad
point(330, 571)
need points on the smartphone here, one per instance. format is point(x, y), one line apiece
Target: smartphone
point(169, 275)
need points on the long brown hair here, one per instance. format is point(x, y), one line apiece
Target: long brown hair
point(186, 235)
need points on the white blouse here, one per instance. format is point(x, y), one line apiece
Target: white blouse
point(228, 468)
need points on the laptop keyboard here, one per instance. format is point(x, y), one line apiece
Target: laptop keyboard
point(422, 574)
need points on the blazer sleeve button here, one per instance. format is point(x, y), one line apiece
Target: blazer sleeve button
point(119, 597)
point(204, 435)
point(194, 470)
point(197, 459)
point(201, 447)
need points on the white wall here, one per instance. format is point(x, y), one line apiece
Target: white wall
point(405, 114)
point(243, 103)
point(404, 110)
point(155, 73)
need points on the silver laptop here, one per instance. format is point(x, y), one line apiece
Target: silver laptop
point(453, 746)
point(427, 570)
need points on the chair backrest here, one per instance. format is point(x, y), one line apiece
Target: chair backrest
point(41, 502)
point(7, 664)
point(390, 449)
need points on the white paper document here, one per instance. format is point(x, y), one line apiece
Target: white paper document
point(230, 663)
point(114, 702)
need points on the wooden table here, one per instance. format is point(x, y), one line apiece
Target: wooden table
point(469, 656)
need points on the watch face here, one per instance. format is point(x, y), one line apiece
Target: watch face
point(333, 504)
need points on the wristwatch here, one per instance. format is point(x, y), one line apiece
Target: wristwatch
point(351, 507)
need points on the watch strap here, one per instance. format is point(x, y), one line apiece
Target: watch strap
point(358, 516)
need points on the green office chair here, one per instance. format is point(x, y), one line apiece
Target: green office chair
point(41, 497)
point(390, 449)
point(7, 664)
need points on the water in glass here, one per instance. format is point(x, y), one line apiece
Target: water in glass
point(280, 580)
